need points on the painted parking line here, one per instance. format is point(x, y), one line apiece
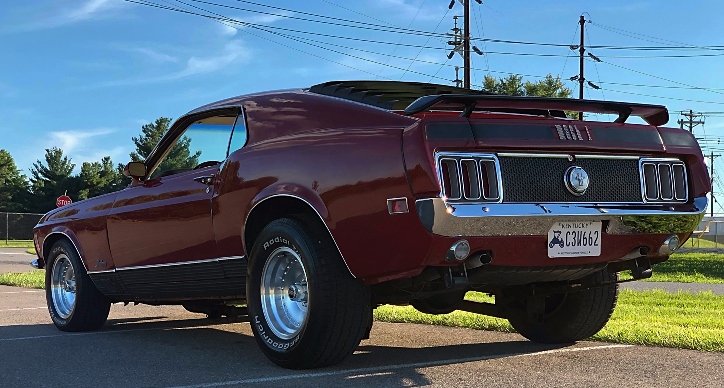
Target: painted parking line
point(360, 372)
point(20, 292)
point(24, 308)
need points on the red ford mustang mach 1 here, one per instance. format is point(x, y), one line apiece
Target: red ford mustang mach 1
point(311, 207)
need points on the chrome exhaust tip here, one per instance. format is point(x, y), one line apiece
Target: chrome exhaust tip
point(670, 245)
point(459, 251)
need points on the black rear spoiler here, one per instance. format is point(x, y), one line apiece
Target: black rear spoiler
point(653, 114)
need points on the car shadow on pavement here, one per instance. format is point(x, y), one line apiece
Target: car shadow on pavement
point(202, 351)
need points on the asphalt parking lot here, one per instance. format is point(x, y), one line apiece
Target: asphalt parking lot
point(147, 346)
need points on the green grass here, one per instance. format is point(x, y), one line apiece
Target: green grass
point(689, 268)
point(17, 244)
point(682, 320)
point(701, 243)
point(33, 279)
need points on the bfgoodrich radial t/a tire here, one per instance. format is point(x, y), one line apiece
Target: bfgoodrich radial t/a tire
point(74, 302)
point(306, 309)
point(574, 316)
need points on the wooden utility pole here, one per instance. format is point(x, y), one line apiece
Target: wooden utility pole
point(691, 123)
point(461, 40)
point(711, 169)
point(466, 45)
point(581, 51)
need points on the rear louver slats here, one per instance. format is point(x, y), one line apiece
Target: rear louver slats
point(664, 180)
point(469, 177)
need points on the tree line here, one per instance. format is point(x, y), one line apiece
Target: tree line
point(53, 176)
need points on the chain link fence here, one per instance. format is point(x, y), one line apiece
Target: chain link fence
point(17, 226)
point(709, 234)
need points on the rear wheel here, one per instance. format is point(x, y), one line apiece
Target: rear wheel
point(74, 302)
point(306, 309)
point(568, 317)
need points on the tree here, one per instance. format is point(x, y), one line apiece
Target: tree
point(13, 185)
point(513, 85)
point(98, 178)
point(178, 157)
point(52, 179)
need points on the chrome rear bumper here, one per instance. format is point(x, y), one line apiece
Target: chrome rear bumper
point(517, 219)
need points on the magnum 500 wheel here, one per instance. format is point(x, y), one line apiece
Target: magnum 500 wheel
point(306, 309)
point(74, 302)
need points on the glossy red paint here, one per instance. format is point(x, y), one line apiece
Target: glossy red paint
point(343, 160)
point(164, 220)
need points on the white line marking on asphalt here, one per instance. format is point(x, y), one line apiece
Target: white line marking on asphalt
point(19, 292)
point(387, 368)
point(24, 308)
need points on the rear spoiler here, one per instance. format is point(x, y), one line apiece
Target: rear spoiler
point(655, 115)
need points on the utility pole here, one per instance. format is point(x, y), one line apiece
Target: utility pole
point(691, 123)
point(461, 40)
point(711, 177)
point(581, 51)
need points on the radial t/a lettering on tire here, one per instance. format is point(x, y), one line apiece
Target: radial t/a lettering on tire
point(74, 302)
point(305, 308)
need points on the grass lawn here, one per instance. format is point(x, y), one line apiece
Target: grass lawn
point(33, 279)
point(683, 320)
point(689, 268)
point(17, 244)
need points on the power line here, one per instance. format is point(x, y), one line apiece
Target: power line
point(394, 50)
point(661, 78)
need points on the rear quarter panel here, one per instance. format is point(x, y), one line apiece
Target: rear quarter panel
point(347, 175)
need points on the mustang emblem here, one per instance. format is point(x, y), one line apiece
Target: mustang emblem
point(576, 180)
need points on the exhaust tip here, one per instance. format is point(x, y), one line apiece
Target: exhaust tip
point(459, 251)
point(670, 245)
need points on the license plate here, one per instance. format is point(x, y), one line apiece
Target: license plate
point(574, 239)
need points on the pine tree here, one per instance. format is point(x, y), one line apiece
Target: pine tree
point(13, 185)
point(179, 157)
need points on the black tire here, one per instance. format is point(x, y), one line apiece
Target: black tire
point(571, 317)
point(439, 304)
point(337, 306)
point(90, 308)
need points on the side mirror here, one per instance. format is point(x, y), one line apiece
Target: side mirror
point(135, 170)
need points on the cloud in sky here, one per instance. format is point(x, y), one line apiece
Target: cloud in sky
point(71, 140)
point(231, 28)
point(233, 52)
point(154, 55)
point(59, 17)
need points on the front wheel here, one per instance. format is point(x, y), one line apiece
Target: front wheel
point(306, 309)
point(74, 302)
point(568, 317)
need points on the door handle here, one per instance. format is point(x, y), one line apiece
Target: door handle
point(207, 180)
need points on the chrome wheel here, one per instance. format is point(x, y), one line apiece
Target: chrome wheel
point(63, 286)
point(284, 293)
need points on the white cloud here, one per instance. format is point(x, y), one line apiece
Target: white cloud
point(70, 140)
point(153, 55)
point(405, 10)
point(56, 16)
point(233, 52)
point(230, 28)
point(88, 10)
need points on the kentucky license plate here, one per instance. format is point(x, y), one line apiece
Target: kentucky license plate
point(573, 239)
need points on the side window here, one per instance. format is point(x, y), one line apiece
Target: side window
point(203, 143)
point(239, 136)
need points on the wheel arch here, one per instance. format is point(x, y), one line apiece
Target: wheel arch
point(58, 235)
point(278, 206)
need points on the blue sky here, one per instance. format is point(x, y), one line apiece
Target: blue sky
point(84, 75)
